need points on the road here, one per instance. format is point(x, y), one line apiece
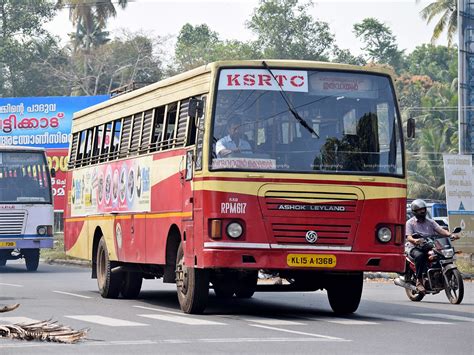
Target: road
point(269, 323)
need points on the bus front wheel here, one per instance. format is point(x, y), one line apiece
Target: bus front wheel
point(192, 285)
point(32, 257)
point(109, 283)
point(344, 292)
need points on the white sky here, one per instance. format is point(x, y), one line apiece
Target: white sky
point(227, 18)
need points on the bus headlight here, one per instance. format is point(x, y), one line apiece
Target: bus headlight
point(384, 234)
point(44, 230)
point(234, 230)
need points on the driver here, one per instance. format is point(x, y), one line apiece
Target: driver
point(233, 142)
point(416, 227)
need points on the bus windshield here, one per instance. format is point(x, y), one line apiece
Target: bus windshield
point(295, 120)
point(24, 177)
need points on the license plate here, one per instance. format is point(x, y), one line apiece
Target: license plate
point(311, 260)
point(7, 244)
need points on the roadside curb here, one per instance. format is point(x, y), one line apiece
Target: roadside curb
point(83, 263)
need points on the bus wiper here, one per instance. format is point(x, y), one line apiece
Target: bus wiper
point(291, 108)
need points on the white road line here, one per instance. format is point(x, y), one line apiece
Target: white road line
point(347, 321)
point(301, 333)
point(13, 285)
point(446, 316)
point(113, 322)
point(180, 319)
point(17, 320)
point(406, 319)
point(272, 321)
point(162, 310)
point(71, 294)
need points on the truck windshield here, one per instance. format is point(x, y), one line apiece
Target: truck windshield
point(24, 178)
point(353, 115)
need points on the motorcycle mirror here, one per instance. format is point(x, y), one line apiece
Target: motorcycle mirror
point(457, 230)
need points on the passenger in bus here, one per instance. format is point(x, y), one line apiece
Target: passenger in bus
point(233, 143)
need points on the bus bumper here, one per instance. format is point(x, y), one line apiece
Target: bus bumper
point(284, 260)
point(27, 243)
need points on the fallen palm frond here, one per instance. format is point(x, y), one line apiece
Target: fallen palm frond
point(43, 330)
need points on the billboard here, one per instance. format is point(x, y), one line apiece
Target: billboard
point(44, 122)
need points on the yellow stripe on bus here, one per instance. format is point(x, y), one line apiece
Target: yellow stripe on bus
point(129, 216)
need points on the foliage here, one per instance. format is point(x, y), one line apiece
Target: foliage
point(447, 10)
point(285, 31)
point(380, 43)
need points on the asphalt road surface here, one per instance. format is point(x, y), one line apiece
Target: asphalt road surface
point(269, 323)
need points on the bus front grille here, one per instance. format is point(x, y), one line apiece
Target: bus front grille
point(12, 222)
point(328, 233)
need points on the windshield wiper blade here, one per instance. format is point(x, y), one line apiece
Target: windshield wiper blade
point(293, 111)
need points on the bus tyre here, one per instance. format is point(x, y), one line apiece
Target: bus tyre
point(344, 292)
point(192, 285)
point(32, 257)
point(246, 285)
point(109, 283)
point(132, 284)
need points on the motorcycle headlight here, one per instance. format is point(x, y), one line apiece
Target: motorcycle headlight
point(234, 230)
point(384, 234)
point(448, 253)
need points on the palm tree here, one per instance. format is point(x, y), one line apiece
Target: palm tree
point(90, 16)
point(448, 9)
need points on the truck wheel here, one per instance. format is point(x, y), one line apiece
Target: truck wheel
point(131, 285)
point(32, 257)
point(109, 283)
point(344, 292)
point(246, 285)
point(192, 285)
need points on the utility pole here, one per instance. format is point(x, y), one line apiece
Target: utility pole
point(466, 76)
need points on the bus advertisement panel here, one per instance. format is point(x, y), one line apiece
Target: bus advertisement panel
point(44, 122)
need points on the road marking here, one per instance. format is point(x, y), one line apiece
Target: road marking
point(14, 345)
point(406, 319)
point(113, 322)
point(13, 285)
point(347, 321)
point(181, 319)
point(446, 316)
point(17, 320)
point(162, 310)
point(297, 332)
point(272, 321)
point(72, 294)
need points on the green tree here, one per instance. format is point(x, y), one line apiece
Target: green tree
point(438, 62)
point(285, 31)
point(346, 57)
point(446, 10)
point(380, 44)
point(23, 45)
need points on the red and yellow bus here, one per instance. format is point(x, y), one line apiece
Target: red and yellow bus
point(295, 168)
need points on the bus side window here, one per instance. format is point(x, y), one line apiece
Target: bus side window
point(115, 144)
point(157, 128)
point(136, 133)
point(146, 132)
point(170, 126)
point(99, 134)
point(106, 139)
point(88, 151)
point(82, 148)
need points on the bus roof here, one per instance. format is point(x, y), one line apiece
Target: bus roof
point(192, 75)
point(16, 148)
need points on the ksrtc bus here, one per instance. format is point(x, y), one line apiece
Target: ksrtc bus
point(205, 178)
point(26, 205)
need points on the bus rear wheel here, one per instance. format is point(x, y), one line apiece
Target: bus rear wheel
point(192, 285)
point(109, 283)
point(131, 285)
point(31, 258)
point(344, 292)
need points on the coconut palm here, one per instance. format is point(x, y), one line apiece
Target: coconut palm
point(448, 20)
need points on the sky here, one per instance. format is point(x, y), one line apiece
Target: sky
point(228, 17)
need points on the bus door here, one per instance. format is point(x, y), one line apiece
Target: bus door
point(187, 205)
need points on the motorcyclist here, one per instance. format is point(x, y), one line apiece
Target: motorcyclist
point(416, 227)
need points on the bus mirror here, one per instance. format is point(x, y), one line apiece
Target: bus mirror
point(195, 108)
point(411, 127)
point(53, 172)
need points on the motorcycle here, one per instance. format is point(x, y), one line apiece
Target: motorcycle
point(442, 273)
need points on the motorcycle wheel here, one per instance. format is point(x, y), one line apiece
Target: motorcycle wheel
point(454, 286)
point(414, 296)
